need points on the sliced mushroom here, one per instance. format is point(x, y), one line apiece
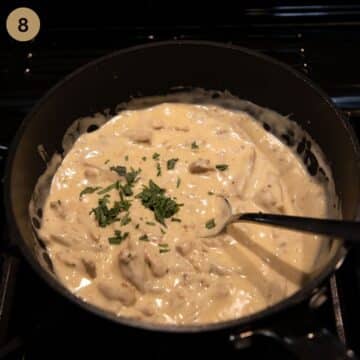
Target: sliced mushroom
point(90, 267)
point(70, 235)
point(157, 124)
point(219, 269)
point(61, 239)
point(139, 135)
point(118, 292)
point(58, 208)
point(270, 197)
point(133, 267)
point(184, 246)
point(200, 166)
point(146, 307)
point(64, 210)
point(156, 262)
point(91, 173)
point(178, 299)
point(67, 258)
point(94, 235)
point(183, 128)
point(147, 310)
point(243, 183)
point(213, 242)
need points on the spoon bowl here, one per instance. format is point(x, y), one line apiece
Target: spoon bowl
point(347, 230)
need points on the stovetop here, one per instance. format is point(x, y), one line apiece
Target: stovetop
point(319, 40)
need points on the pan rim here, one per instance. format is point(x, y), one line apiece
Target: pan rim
point(264, 314)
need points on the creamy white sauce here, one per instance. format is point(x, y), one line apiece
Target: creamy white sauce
point(199, 280)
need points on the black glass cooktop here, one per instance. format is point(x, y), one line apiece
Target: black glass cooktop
point(319, 40)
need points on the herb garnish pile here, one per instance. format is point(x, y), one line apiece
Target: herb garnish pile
point(104, 215)
point(152, 197)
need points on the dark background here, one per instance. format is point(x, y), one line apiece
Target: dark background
point(319, 38)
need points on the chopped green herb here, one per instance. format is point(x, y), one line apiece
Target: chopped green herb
point(171, 163)
point(124, 204)
point(144, 158)
point(120, 170)
point(210, 193)
point(194, 145)
point(163, 248)
point(144, 238)
point(175, 219)
point(132, 176)
point(89, 190)
point(118, 237)
point(153, 197)
point(222, 167)
point(150, 223)
point(107, 161)
point(103, 215)
point(158, 168)
point(115, 185)
point(178, 182)
point(126, 157)
point(210, 224)
point(125, 219)
point(126, 189)
point(137, 226)
point(156, 156)
point(162, 231)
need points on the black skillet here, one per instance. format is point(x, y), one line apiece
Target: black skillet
point(155, 69)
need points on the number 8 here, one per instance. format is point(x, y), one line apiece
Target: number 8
point(23, 25)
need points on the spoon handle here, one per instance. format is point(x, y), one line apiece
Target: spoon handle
point(347, 230)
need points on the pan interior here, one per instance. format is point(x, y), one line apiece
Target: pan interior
point(280, 126)
point(125, 74)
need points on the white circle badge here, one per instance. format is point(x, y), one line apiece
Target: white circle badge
point(23, 24)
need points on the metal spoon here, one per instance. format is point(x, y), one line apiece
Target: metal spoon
point(349, 230)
